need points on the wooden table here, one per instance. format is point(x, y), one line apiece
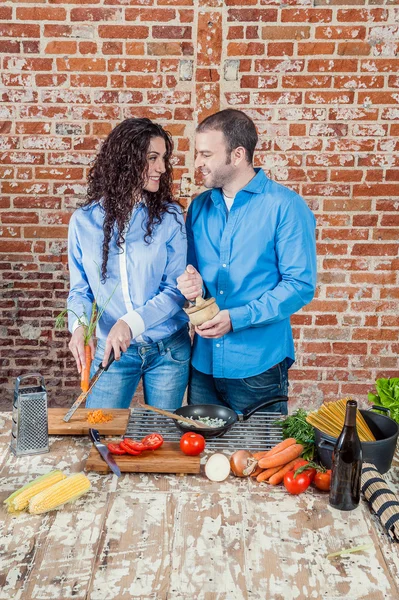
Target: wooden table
point(183, 537)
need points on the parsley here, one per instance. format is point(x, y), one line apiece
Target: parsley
point(297, 427)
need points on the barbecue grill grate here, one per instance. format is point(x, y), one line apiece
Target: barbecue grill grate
point(258, 433)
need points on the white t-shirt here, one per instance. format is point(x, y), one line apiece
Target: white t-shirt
point(228, 201)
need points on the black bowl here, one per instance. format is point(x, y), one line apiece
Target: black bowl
point(380, 453)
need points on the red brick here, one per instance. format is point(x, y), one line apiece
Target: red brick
point(245, 49)
point(10, 46)
point(265, 15)
point(315, 48)
point(123, 32)
point(209, 39)
point(80, 64)
point(280, 49)
point(61, 47)
point(95, 14)
point(306, 15)
point(355, 15)
point(334, 65)
point(171, 32)
point(19, 30)
point(375, 249)
point(132, 64)
point(36, 13)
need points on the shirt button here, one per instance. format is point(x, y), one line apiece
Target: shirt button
point(217, 345)
point(224, 265)
point(221, 292)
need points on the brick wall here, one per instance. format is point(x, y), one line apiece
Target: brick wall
point(320, 78)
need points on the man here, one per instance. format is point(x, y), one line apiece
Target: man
point(251, 245)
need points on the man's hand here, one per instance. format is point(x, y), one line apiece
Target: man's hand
point(190, 283)
point(77, 347)
point(119, 339)
point(216, 327)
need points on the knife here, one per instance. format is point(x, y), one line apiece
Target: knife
point(105, 453)
point(93, 382)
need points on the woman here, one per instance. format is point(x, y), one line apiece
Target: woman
point(129, 233)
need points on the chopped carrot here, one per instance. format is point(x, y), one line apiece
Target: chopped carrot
point(85, 375)
point(98, 416)
point(279, 476)
point(281, 458)
point(267, 474)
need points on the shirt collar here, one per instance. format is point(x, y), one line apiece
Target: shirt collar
point(255, 186)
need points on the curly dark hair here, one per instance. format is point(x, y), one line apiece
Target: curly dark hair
point(118, 176)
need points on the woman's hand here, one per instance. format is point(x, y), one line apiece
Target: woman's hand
point(190, 283)
point(77, 347)
point(119, 339)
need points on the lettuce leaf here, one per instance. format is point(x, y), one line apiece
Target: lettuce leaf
point(387, 395)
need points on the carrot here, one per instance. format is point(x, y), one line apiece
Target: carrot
point(279, 476)
point(280, 446)
point(256, 472)
point(281, 458)
point(85, 375)
point(259, 455)
point(267, 474)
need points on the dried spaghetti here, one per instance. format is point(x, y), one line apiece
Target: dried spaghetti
point(330, 418)
point(98, 416)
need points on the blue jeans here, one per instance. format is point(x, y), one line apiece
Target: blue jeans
point(164, 367)
point(238, 394)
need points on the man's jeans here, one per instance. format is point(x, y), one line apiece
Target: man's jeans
point(164, 367)
point(238, 394)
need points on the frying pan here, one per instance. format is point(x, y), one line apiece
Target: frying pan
point(216, 411)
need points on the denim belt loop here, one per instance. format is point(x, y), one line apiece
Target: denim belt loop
point(161, 348)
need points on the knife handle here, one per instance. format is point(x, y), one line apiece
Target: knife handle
point(95, 436)
point(110, 360)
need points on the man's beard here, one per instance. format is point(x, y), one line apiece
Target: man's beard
point(218, 178)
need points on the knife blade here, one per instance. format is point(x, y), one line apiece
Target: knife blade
point(105, 453)
point(82, 397)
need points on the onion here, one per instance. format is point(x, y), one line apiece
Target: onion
point(217, 467)
point(243, 463)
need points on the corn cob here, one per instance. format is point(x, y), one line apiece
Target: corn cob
point(67, 490)
point(19, 500)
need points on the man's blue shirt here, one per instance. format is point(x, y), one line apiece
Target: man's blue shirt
point(259, 262)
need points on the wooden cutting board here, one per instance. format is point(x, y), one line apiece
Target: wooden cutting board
point(167, 459)
point(79, 425)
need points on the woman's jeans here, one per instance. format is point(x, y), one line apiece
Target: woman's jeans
point(164, 367)
point(239, 394)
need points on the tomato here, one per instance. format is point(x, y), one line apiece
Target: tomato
point(138, 446)
point(192, 444)
point(323, 481)
point(298, 484)
point(129, 450)
point(116, 449)
point(310, 472)
point(152, 441)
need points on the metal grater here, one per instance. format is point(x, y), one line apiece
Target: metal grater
point(260, 432)
point(29, 433)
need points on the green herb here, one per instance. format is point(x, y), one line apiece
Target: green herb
point(297, 427)
point(89, 326)
point(387, 395)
